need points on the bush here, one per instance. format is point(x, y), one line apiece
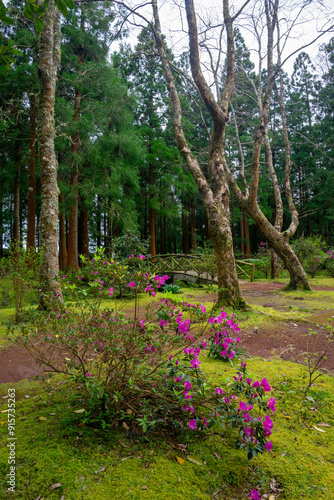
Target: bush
point(143, 371)
point(21, 267)
point(328, 261)
point(310, 251)
point(207, 262)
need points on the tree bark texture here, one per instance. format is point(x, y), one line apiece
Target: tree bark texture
point(31, 224)
point(49, 43)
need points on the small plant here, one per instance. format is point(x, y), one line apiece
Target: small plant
point(315, 361)
point(22, 269)
point(171, 288)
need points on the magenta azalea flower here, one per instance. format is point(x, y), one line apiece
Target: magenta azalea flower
point(192, 424)
point(131, 284)
point(271, 404)
point(219, 391)
point(268, 446)
point(195, 363)
point(267, 425)
point(187, 385)
point(255, 495)
point(265, 385)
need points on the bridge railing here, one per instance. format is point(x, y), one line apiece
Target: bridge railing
point(184, 263)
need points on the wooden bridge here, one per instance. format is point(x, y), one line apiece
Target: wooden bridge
point(191, 267)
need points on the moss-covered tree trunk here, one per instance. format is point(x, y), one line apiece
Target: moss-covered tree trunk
point(215, 194)
point(49, 50)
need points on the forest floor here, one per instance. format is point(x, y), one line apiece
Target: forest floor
point(59, 458)
point(281, 327)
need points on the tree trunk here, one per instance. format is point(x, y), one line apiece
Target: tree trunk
point(62, 237)
point(193, 224)
point(84, 233)
point(185, 229)
point(242, 235)
point(73, 253)
point(49, 41)
point(31, 227)
point(16, 211)
point(152, 249)
point(98, 222)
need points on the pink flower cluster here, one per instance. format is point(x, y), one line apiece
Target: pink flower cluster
point(221, 343)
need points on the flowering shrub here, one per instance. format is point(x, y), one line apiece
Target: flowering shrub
point(221, 344)
point(328, 261)
point(145, 370)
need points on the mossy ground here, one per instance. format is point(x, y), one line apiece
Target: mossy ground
point(96, 464)
point(99, 464)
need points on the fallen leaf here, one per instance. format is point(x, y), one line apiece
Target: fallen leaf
point(271, 497)
point(3, 411)
point(218, 457)
point(180, 460)
point(144, 487)
point(128, 411)
point(122, 444)
point(125, 426)
point(100, 470)
point(194, 460)
point(287, 416)
point(179, 480)
point(54, 486)
point(42, 418)
point(317, 428)
point(3, 422)
point(323, 424)
point(79, 411)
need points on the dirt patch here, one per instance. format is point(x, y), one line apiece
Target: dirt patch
point(289, 339)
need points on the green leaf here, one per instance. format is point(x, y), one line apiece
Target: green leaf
point(60, 4)
point(39, 24)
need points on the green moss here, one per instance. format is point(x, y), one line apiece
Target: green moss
point(103, 464)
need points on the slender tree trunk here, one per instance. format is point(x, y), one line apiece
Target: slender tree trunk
point(72, 257)
point(84, 232)
point(193, 224)
point(62, 224)
point(242, 235)
point(16, 213)
point(152, 249)
point(49, 42)
point(98, 222)
point(31, 223)
point(62, 237)
point(185, 229)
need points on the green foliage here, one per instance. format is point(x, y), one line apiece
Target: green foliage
point(129, 243)
point(207, 263)
point(310, 250)
point(172, 288)
point(21, 267)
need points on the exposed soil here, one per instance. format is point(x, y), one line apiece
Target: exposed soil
point(288, 340)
